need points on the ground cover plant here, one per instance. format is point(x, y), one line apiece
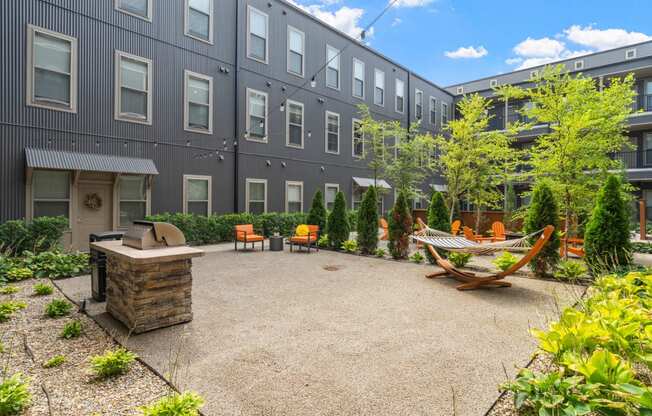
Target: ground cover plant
point(505, 261)
point(112, 363)
point(8, 290)
point(14, 394)
point(8, 308)
point(71, 330)
point(570, 270)
point(178, 404)
point(55, 361)
point(459, 259)
point(42, 289)
point(58, 308)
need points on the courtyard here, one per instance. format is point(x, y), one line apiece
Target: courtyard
point(331, 333)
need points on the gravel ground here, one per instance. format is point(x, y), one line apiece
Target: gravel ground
point(30, 338)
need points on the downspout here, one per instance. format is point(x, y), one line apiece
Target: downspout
point(236, 182)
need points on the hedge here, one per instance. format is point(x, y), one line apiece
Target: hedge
point(39, 235)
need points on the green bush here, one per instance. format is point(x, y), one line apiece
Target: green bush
point(380, 252)
point(17, 274)
point(438, 219)
point(8, 290)
point(323, 241)
point(42, 289)
point(570, 270)
point(56, 264)
point(112, 363)
point(317, 213)
point(606, 241)
point(58, 308)
point(350, 246)
point(400, 228)
point(505, 261)
point(8, 308)
point(41, 234)
point(14, 395)
point(367, 224)
point(542, 212)
point(55, 361)
point(417, 257)
point(459, 259)
point(639, 247)
point(72, 329)
point(338, 223)
point(184, 404)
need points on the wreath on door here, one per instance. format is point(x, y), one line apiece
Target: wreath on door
point(93, 201)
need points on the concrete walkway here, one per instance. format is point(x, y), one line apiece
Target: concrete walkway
point(334, 334)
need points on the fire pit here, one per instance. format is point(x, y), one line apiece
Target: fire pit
point(149, 279)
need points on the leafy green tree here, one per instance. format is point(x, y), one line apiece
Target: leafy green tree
point(606, 240)
point(438, 218)
point(400, 228)
point(543, 211)
point(367, 224)
point(374, 134)
point(510, 204)
point(338, 223)
point(317, 213)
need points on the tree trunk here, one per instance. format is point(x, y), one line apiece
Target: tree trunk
point(477, 219)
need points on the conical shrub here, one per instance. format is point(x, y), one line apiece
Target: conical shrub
point(543, 211)
point(338, 223)
point(367, 224)
point(400, 228)
point(317, 213)
point(438, 219)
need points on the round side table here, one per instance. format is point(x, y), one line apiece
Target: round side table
point(276, 243)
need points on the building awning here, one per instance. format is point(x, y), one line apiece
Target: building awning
point(54, 159)
point(439, 188)
point(367, 182)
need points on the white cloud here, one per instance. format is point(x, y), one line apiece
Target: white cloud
point(397, 21)
point(513, 61)
point(345, 18)
point(412, 3)
point(469, 52)
point(603, 39)
point(539, 48)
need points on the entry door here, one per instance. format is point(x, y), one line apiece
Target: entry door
point(94, 212)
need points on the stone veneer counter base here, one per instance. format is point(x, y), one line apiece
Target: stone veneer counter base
point(148, 289)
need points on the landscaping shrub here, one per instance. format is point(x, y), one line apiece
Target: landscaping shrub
point(542, 212)
point(400, 228)
point(42, 289)
point(55, 264)
point(71, 330)
point(350, 246)
point(8, 308)
point(438, 219)
point(8, 290)
point(459, 259)
point(380, 252)
point(112, 363)
point(323, 241)
point(14, 395)
point(606, 241)
point(417, 257)
point(570, 270)
point(184, 404)
point(505, 261)
point(639, 247)
point(58, 308)
point(317, 213)
point(19, 273)
point(352, 216)
point(42, 233)
point(367, 224)
point(55, 361)
point(14, 237)
point(338, 223)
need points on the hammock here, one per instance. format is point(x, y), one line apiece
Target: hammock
point(449, 242)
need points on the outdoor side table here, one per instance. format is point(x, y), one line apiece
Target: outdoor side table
point(276, 243)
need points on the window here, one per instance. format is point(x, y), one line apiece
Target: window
point(418, 104)
point(329, 195)
point(358, 140)
point(630, 54)
point(358, 78)
point(647, 105)
point(493, 83)
point(358, 195)
point(51, 193)
point(296, 51)
point(444, 114)
point(400, 96)
point(534, 74)
point(133, 84)
point(256, 196)
point(133, 199)
point(51, 70)
point(257, 115)
point(332, 132)
point(578, 65)
point(197, 195)
point(293, 196)
point(258, 23)
point(198, 116)
point(433, 111)
point(199, 19)
point(460, 90)
point(332, 67)
point(379, 90)
point(137, 8)
point(648, 148)
point(294, 136)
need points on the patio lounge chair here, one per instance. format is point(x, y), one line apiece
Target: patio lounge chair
point(308, 240)
point(498, 229)
point(382, 223)
point(471, 236)
point(244, 233)
point(471, 280)
point(455, 227)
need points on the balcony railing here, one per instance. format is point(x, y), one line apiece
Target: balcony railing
point(635, 159)
point(643, 103)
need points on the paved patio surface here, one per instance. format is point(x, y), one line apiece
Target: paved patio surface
point(334, 334)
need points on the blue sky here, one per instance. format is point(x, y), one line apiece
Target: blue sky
point(495, 36)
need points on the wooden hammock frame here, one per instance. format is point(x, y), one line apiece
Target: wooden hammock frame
point(472, 281)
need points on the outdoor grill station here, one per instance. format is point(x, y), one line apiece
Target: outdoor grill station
point(148, 276)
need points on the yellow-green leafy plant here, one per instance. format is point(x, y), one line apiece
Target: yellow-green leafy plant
point(350, 246)
point(55, 361)
point(72, 329)
point(505, 261)
point(177, 404)
point(459, 259)
point(570, 270)
point(8, 290)
point(58, 308)
point(380, 252)
point(7, 309)
point(14, 394)
point(112, 363)
point(42, 289)
point(19, 273)
point(417, 257)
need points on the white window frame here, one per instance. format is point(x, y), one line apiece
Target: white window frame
point(353, 78)
point(444, 113)
point(248, 121)
point(534, 73)
point(578, 65)
point(249, 181)
point(147, 200)
point(338, 59)
point(147, 18)
point(377, 72)
point(287, 124)
point(339, 131)
point(186, 178)
point(493, 83)
point(396, 96)
point(249, 55)
point(303, 52)
point(186, 102)
point(353, 121)
point(460, 90)
point(433, 109)
point(119, 116)
point(31, 101)
point(210, 22)
point(287, 185)
point(633, 54)
point(330, 185)
point(418, 92)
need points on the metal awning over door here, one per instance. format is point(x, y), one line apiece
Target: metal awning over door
point(61, 160)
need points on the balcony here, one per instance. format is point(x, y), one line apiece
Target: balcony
point(637, 162)
point(643, 103)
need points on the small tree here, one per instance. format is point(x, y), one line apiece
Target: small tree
point(317, 213)
point(438, 218)
point(510, 204)
point(400, 228)
point(338, 223)
point(606, 240)
point(542, 212)
point(367, 224)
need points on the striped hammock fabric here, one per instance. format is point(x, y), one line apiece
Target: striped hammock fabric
point(449, 242)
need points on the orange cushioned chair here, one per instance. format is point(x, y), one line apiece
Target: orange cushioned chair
point(455, 227)
point(382, 222)
point(244, 233)
point(308, 240)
